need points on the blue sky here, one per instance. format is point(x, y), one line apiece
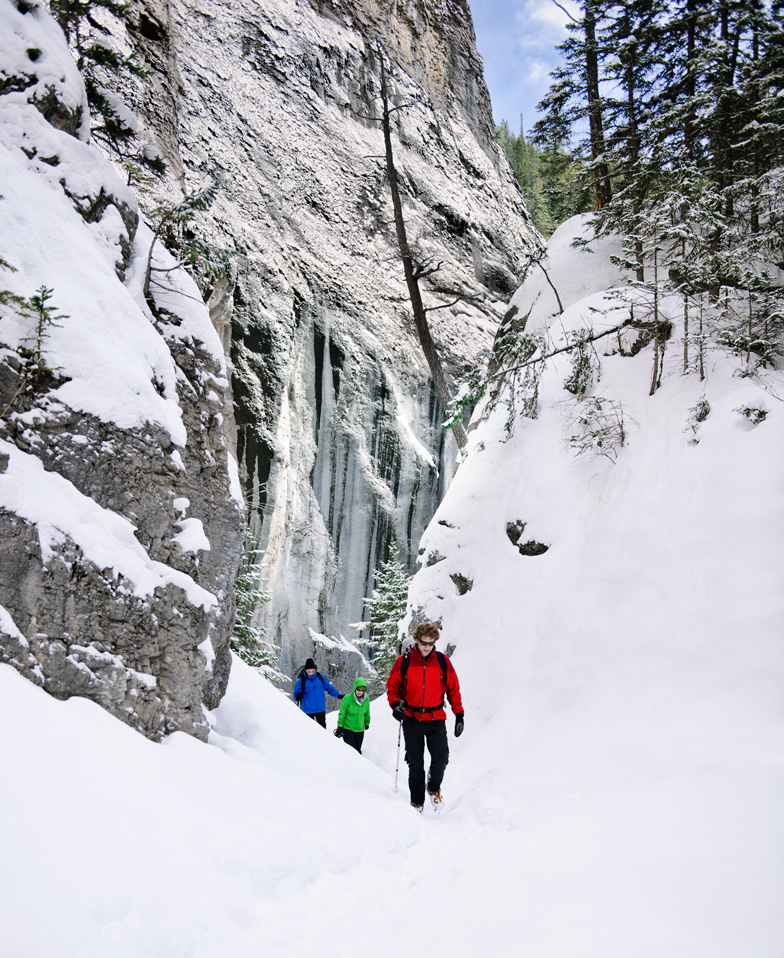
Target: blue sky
point(517, 40)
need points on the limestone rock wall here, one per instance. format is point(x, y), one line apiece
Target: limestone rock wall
point(120, 522)
point(338, 431)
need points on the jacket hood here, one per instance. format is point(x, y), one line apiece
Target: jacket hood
point(359, 683)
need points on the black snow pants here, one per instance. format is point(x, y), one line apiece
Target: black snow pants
point(354, 739)
point(320, 717)
point(416, 734)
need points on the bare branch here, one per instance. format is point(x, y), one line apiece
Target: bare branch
point(550, 282)
point(561, 7)
point(563, 349)
point(459, 299)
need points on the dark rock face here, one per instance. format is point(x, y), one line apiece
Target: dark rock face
point(514, 532)
point(462, 583)
point(120, 534)
point(154, 659)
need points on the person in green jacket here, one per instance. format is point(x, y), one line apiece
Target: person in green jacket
point(354, 715)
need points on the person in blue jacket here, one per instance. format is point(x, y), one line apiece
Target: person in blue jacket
point(309, 693)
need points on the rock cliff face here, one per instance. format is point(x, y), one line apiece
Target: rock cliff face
point(120, 525)
point(338, 430)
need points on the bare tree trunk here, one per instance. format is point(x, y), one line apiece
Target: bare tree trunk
point(702, 344)
point(596, 125)
point(414, 293)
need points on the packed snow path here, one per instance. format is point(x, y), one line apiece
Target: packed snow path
point(277, 839)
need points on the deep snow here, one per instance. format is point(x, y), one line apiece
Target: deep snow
point(617, 792)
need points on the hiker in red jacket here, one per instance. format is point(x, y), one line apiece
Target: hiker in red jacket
point(416, 687)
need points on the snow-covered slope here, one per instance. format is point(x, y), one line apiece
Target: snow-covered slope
point(661, 591)
point(617, 791)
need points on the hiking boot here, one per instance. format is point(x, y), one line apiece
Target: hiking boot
point(417, 807)
point(435, 797)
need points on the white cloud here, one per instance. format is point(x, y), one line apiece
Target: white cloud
point(541, 24)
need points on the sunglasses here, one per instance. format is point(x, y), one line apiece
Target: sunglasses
point(425, 643)
point(359, 692)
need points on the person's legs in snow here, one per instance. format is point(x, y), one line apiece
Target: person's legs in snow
point(415, 757)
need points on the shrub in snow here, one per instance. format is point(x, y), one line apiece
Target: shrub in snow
point(596, 427)
point(585, 364)
point(172, 227)
point(754, 414)
point(698, 413)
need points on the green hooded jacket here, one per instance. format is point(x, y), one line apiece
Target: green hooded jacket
point(354, 715)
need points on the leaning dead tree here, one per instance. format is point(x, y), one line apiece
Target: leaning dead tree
point(413, 271)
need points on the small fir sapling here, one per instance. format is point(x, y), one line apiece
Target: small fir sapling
point(754, 414)
point(698, 413)
point(37, 376)
point(173, 222)
point(45, 318)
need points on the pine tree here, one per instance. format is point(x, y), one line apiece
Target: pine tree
point(386, 608)
point(690, 114)
point(575, 96)
point(546, 177)
point(84, 23)
point(248, 640)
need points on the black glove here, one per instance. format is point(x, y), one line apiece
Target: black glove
point(459, 725)
point(398, 711)
point(338, 733)
point(299, 699)
point(340, 696)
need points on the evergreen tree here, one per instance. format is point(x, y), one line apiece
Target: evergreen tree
point(98, 60)
point(249, 640)
point(546, 177)
point(386, 608)
point(690, 116)
point(575, 97)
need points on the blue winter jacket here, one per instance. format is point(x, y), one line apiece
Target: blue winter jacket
point(313, 697)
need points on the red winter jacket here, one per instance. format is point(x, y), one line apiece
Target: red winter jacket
point(424, 693)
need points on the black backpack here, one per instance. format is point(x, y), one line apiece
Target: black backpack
point(404, 668)
point(301, 675)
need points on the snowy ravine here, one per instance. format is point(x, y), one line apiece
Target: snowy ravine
point(617, 791)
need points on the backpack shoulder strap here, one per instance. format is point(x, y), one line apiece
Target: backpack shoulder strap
point(442, 663)
point(403, 670)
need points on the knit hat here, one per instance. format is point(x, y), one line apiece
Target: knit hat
point(310, 664)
